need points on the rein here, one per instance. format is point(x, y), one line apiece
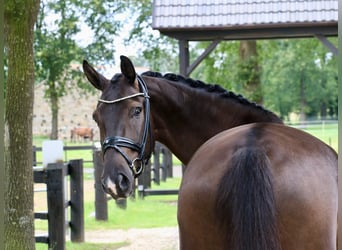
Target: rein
point(117, 142)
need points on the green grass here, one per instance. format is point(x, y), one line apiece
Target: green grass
point(327, 133)
point(152, 211)
point(139, 214)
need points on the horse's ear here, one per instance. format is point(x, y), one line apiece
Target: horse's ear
point(127, 69)
point(95, 78)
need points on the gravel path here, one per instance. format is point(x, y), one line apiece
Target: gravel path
point(139, 239)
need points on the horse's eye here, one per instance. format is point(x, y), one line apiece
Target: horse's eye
point(137, 111)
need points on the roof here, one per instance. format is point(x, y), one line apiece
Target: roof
point(186, 18)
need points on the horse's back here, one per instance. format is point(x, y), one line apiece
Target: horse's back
point(304, 178)
point(83, 132)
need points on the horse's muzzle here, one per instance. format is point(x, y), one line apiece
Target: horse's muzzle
point(121, 187)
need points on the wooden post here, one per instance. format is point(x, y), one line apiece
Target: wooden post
point(167, 162)
point(34, 151)
point(40, 177)
point(184, 57)
point(156, 163)
point(164, 163)
point(101, 206)
point(75, 168)
point(144, 180)
point(56, 205)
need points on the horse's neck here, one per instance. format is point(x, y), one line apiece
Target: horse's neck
point(184, 117)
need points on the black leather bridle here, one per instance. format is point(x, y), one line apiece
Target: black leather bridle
point(117, 142)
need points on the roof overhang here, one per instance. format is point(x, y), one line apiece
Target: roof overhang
point(253, 32)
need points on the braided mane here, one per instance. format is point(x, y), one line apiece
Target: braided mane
point(212, 88)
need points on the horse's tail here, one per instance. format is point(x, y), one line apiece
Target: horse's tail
point(246, 204)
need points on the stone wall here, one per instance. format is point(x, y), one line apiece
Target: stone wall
point(75, 110)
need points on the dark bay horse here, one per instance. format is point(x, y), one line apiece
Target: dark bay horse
point(257, 185)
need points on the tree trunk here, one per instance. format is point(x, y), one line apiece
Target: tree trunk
point(19, 221)
point(54, 111)
point(303, 104)
point(249, 70)
point(323, 112)
point(324, 102)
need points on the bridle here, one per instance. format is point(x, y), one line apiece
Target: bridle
point(117, 142)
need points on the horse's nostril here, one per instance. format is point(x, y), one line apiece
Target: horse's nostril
point(122, 182)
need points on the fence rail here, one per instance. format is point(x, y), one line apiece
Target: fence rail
point(308, 123)
point(65, 149)
point(54, 178)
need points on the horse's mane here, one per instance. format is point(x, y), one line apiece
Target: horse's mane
point(213, 88)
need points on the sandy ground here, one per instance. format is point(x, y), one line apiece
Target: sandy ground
point(144, 239)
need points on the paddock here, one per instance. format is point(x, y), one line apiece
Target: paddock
point(63, 195)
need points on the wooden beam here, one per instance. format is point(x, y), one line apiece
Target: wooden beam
point(207, 51)
point(252, 33)
point(327, 44)
point(183, 57)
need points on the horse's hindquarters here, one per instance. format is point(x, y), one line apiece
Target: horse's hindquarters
point(304, 178)
point(197, 223)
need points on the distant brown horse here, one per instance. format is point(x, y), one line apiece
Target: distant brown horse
point(81, 133)
point(258, 185)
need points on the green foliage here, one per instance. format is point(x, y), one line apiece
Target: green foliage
point(220, 66)
point(297, 75)
point(59, 54)
point(160, 52)
point(101, 17)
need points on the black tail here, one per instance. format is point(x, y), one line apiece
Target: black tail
point(245, 202)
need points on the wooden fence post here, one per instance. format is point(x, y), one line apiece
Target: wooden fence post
point(101, 206)
point(144, 180)
point(75, 168)
point(56, 205)
point(168, 156)
point(34, 152)
point(167, 170)
point(156, 163)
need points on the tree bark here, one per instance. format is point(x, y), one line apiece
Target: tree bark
point(302, 97)
point(249, 70)
point(54, 111)
point(20, 17)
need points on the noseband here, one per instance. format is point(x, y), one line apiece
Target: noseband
point(117, 142)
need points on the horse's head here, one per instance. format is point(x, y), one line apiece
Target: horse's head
point(122, 115)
